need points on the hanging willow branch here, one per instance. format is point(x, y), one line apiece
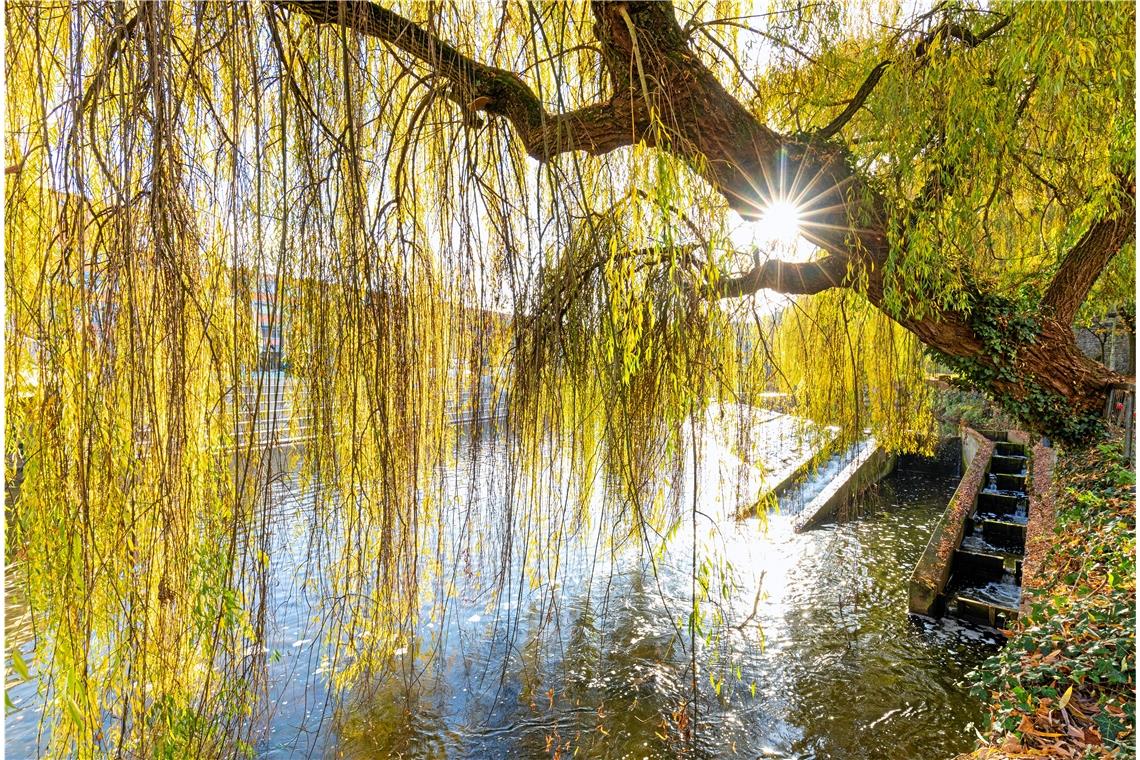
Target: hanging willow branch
point(418, 210)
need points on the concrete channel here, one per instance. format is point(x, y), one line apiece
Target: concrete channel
point(972, 567)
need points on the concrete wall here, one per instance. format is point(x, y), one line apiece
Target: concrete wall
point(1042, 518)
point(868, 468)
point(933, 569)
point(1111, 343)
point(972, 443)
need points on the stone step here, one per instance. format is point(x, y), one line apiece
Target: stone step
point(978, 608)
point(1008, 535)
point(976, 543)
point(1003, 504)
point(970, 568)
point(1008, 482)
point(1015, 518)
point(1008, 465)
point(1005, 448)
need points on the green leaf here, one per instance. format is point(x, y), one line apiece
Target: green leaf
point(20, 666)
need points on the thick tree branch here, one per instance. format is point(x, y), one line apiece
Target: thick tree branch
point(695, 119)
point(665, 97)
point(596, 129)
point(959, 32)
point(922, 49)
point(832, 128)
point(1083, 264)
point(802, 278)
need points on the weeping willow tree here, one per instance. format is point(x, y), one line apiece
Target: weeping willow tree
point(442, 190)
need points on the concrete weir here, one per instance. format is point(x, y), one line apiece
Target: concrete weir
point(972, 566)
point(868, 464)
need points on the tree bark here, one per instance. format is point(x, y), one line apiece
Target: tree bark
point(1082, 266)
point(664, 96)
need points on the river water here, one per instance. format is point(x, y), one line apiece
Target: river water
point(814, 655)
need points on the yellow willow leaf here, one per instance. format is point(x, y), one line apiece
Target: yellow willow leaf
point(1064, 701)
point(19, 665)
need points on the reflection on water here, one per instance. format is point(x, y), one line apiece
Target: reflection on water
point(814, 655)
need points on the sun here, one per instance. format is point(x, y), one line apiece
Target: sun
point(779, 225)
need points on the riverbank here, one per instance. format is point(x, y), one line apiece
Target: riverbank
point(1064, 686)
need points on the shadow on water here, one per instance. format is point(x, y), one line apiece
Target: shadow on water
point(814, 657)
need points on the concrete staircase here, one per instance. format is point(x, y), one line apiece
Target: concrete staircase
point(972, 568)
point(985, 573)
